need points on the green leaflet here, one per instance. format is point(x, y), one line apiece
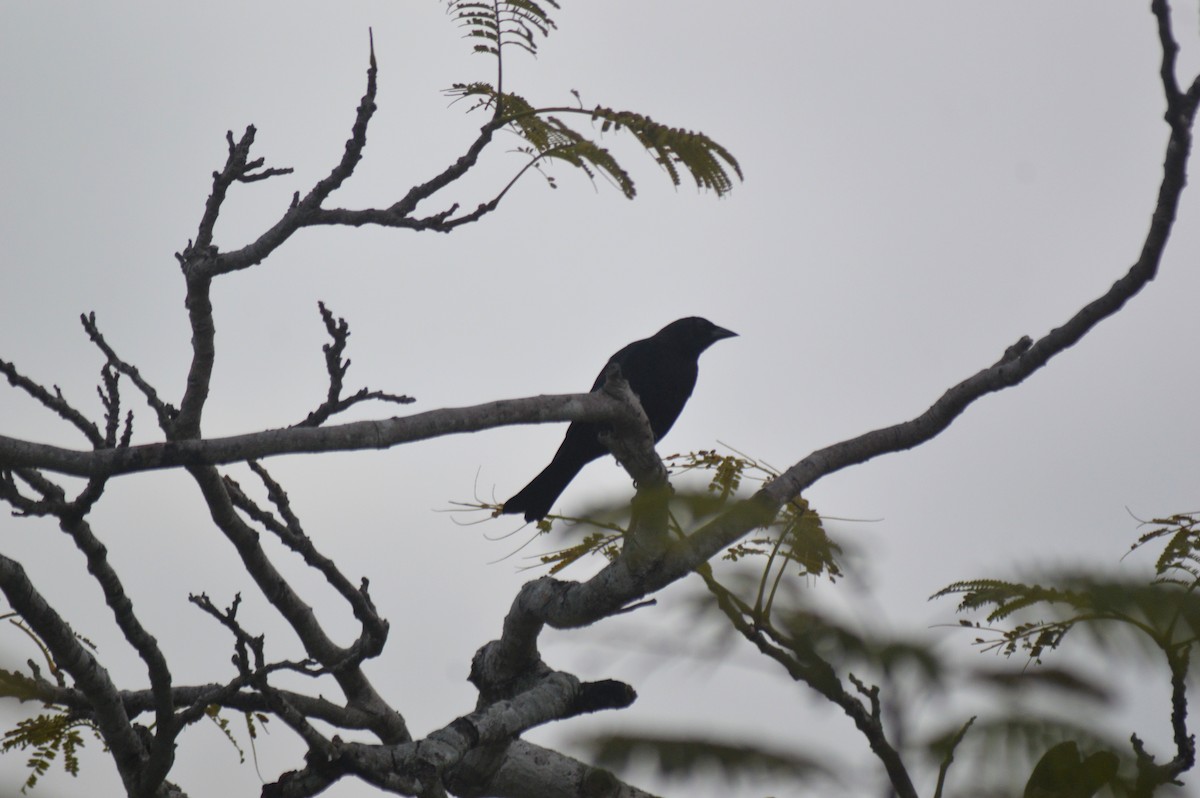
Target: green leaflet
point(48, 736)
point(676, 150)
point(492, 25)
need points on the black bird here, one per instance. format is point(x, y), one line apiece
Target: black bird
point(661, 370)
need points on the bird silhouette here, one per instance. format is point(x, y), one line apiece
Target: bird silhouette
point(661, 370)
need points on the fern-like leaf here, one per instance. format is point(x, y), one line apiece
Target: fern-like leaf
point(48, 736)
point(495, 25)
point(1182, 535)
point(1006, 598)
point(1160, 614)
point(549, 137)
point(594, 543)
point(673, 147)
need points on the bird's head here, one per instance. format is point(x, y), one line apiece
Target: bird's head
point(694, 333)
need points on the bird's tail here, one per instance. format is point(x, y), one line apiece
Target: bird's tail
point(536, 498)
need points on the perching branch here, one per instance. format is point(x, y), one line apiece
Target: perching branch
point(354, 436)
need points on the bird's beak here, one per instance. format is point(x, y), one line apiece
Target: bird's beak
point(720, 332)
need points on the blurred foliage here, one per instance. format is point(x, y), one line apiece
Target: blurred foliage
point(1036, 731)
point(795, 541)
point(18, 686)
point(1160, 614)
point(1157, 615)
point(689, 757)
point(1063, 773)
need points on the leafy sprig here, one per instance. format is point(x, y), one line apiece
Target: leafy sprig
point(49, 736)
point(491, 26)
point(710, 165)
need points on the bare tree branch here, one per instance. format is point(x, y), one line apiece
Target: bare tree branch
point(165, 412)
point(414, 768)
point(238, 169)
point(336, 367)
point(291, 533)
point(358, 435)
point(54, 401)
point(804, 664)
point(276, 589)
point(301, 210)
point(1024, 358)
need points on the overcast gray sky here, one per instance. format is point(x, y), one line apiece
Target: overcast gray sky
point(925, 183)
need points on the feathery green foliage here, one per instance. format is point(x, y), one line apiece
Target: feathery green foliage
point(222, 723)
point(795, 539)
point(1179, 562)
point(1164, 611)
point(1038, 735)
point(1164, 614)
point(673, 147)
point(1020, 735)
point(549, 137)
point(48, 736)
point(493, 25)
point(593, 543)
point(710, 165)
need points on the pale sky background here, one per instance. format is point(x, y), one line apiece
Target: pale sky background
point(925, 183)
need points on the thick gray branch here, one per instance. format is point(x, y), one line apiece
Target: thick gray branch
point(90, 676)
point(413, 768)
point(530, 771)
